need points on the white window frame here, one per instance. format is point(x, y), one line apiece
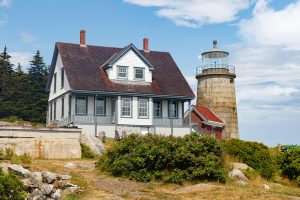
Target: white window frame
point(143, 110)
point(62, 78)
point(54, 82)
point(85, 104)
point(118, 72)
point(175, 111)
point(139, 68)
point(127, 107)
point(155, 108)
point(97, 102)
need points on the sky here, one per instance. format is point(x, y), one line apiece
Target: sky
point(262, 37)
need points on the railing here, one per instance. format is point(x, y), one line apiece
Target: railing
point(64, 122)
point(86, 119)
point(202, 68)
point(165, 121)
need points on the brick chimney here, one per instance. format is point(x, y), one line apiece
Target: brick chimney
point(146, 45)
point(82, 38)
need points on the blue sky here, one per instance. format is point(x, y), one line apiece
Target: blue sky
point(262, 37)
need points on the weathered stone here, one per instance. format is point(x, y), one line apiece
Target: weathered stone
point(63, 177)
point(238, 176)
point(36, 194)
point(70, 165)
point(240, 166)
point(93, 142)
point(48, 177)
point(71, 188)
point(46, 189)
point(57, 194)
point(19, 170)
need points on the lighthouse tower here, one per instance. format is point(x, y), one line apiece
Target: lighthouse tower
point(216, 89)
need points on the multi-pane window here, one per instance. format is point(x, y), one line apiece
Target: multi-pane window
point(143, 108)
point(54, 114)
point(62, 77)
point(54, 82)
point(62, 107)
point(126, 107)
point(81, 105)
point(122, 72)
point(173, 109)
point(139, 73)
point(100, 106)
point(157, 108)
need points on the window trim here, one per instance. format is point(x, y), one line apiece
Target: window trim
point(122, 78)
point(131, 109)
point(161, 107)
point(86, 105)
point(62, 78)
point(104, 110)
point(138, 110)
point(138, 79)
point(54, 82)
point(177, 106)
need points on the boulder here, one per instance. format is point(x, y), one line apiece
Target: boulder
point(239, 177)
point(36, 178)
point(93, 142)
point(36, 194)
point(57, 194)
point(19, 170)
point(48, 177)
point(240, 166)
point(46, 189)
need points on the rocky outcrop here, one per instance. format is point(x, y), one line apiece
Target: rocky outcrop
point(237, 175)
point(93, 142)
point(42, 185)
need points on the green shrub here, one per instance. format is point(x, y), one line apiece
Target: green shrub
point(86, 151)
point(254, 154)
point(289, 163)
point(9, 153)
point(250, 173)
point(11, 187)
point(170, 159)
point(2, 154)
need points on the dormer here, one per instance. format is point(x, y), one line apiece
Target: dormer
point(130, 66)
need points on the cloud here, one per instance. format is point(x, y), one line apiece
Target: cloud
point(5, 3)
point(27, 37)
point(273, 27)
point(22, 57)
point(194, 13)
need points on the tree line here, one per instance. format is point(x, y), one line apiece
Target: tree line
point(23, 93)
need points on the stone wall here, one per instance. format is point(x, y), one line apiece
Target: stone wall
point(39, 142)
point(216, 90)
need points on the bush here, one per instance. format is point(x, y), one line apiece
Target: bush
point(11, 187)
point(254, 154)
point(170, 159)
point(86, 151)
point(9, 153)
point(289, 163)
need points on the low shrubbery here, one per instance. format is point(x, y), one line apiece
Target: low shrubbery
point(170, 159)
point(86, 151)
point(11, 187)
point(289, 163)
point(9, 154)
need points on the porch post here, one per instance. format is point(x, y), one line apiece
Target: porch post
point(190, 116)
point(95, 116)
point(171, 117)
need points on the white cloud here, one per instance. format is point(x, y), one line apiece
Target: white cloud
point(27, 37)
point(194, 13)
point(22, 57)
point(5, 3)
point(273, 27)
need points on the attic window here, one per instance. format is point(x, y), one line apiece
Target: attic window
point(139, 73)
point(122, 72)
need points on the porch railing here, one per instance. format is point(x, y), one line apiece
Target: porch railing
point(86, 119)
point(165, 121)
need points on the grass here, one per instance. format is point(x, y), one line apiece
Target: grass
point(11, 119)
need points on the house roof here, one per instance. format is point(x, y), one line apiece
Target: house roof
point(84, 72)
point(207, 114)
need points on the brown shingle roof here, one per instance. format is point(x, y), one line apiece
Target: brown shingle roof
point(83, 69)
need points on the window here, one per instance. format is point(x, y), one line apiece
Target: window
point(100, 106)
point(143, 108)
point(81, 105)
point(126, 107)
point(122, 72)
point(62, 107)
point(62, 78)
point(54, 114)
point(54, 89)
point(51, 114)
point(157, 108)
point(139, 73)
point(173, 108)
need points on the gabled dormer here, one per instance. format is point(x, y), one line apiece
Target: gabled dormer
point(130, 66)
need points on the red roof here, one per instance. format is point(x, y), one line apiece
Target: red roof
point(207, 114)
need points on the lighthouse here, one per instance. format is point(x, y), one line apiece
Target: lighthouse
point(216, 88)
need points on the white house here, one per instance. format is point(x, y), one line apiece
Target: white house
point(117, 89)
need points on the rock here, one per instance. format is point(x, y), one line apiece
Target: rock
point(71, 188)
point(4, 167)
point(49, 177)
point(267, 187)
point(240, 166)
point(57, 194)
point(19, 170)
point(93, 142)
point(238, 176)
point(70, 165)
point(36, 178)
point(46, 189)
point(36, 194)
point(63, 177)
